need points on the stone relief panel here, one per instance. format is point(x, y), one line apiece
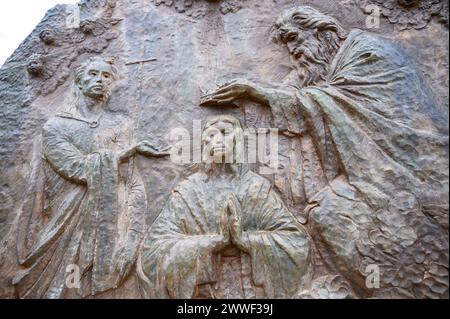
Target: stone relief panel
point(359, 187)
point(407, 14)
point(200, 8)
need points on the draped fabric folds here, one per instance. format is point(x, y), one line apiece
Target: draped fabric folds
point(83, 209)
point(177, 256)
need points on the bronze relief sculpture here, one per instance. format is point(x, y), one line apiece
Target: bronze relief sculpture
point(92, 206)
point(363, 105)
point(91, 202)
point(224, 232)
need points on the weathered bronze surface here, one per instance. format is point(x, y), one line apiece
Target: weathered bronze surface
point(95, 203)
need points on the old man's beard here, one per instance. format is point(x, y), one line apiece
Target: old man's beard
point(315, 60)
point(106, 94)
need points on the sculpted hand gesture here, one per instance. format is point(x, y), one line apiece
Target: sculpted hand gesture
point(145, 148)
point(235, 222)
point(223, 239)
point(234, 90)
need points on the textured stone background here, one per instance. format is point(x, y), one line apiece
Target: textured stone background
point(197, 44)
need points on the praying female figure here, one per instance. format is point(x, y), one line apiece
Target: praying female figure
point(224, 232)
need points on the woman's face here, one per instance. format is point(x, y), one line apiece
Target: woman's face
point(218, 142)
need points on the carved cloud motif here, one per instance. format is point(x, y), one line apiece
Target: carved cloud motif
point(411, 14)
point(199, 8)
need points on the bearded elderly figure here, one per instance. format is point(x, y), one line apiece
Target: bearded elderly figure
point(373, 151)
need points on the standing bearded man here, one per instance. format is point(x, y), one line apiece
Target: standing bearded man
point(86, 203)
point(376, 176)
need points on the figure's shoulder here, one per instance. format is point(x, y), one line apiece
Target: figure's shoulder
point(361, 36)
point(358, 34)
point(190, 183)
point(61, 123)
point(376, 43)
point(54, 123)
point(370, 48)
point(257, 181)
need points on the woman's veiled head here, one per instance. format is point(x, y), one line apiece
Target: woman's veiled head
point(223, 140)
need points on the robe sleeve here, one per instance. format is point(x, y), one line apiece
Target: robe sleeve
point(175, 257)
point(278, 246)
point(66, 159)
point(286, 114)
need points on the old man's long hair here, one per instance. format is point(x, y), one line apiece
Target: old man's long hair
point(318, 51)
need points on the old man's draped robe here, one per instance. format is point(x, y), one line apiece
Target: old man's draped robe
point(373, 149)
point(177, 258)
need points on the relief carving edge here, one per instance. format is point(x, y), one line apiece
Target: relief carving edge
point(394, 225)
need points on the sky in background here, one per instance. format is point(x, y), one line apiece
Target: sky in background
point(18, 18)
